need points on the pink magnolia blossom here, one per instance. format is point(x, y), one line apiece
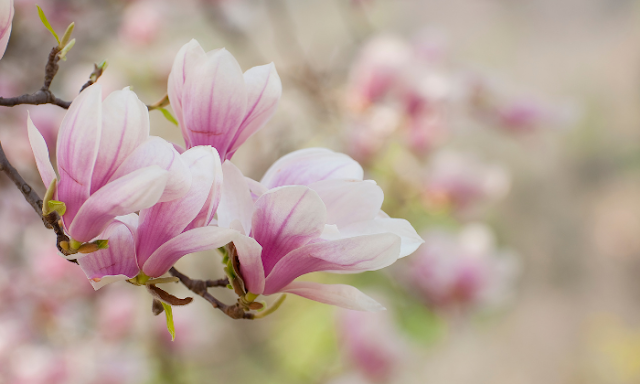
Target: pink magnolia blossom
point(462, 270)
point(311, 212)
point(371, 343)
point(6, 19)
point(108, 165)
point(162, 234)
point(377, 70)
point(141, 23)
point(215, 103)
point(461, 181)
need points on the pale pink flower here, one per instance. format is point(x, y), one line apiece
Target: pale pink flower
point(6, 20)
point(311, 212)
point(108, 165)
point(371, 343)
point(215, 103)
point(461, 181)
point(377, 69)
point(461, 271)
point(162, 234)
point(141, 22)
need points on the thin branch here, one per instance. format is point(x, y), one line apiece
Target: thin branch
point(98, 70)
point(199, 287)
point(52, 220)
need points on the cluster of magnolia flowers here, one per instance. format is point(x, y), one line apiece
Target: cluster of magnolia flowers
point(133, 204)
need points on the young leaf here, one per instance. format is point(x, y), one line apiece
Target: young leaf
point(44, 20)
point(168, 116)
point(169, 314)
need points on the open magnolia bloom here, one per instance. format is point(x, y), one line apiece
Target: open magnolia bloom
point(108, 165)
point(215, 103)
point(6, 20)
point(162, 234)
point(312, 212)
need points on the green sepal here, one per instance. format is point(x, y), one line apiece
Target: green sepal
point(46, 23)
point(102, 244)
point(51, 191)
point(168, 116)
point(140, 279)
point(58, 206)
point(169, 314)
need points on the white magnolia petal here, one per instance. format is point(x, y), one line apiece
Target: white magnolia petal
point(133, 192)
point(340, 295)
point(41, 153)
point(236, 203)
point(307, 166)
point(125, 125)
point(77, 149)
point(194, 240)
point(410, 240)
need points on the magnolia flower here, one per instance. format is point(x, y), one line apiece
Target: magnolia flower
point(461, 270)
point(311, 212)
point(6, 19)
point(376, 358)
point(377, 69)
point(216, 104)
point(461, 181)
point(162, 234)
point(108, 165)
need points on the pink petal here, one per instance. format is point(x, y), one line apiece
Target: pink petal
point(349, 201)
point(133, 192)
point(6, 21)
point(352, 255)
point(214, 102)
point(157, 151)
point(256, 188)
point(166, 220)
point(77, 149)
point(125, 125)
point(236, 203)
point(249, 254)
point(210, 206)
point(264, 90)
point(41, 153)
point(118, 262)
point(410, 240)
point(340, 295)
point(284, 219)
point(309, 165)
point(195, 240)
point(188, 57)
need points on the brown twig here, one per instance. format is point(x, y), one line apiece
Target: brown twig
point(98, 70)
point(199, 287)
point(44, 95)
point(51, 220)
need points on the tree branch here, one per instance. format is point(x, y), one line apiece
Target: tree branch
point(199, 287)
point(52, 220)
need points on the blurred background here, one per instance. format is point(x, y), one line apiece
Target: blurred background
point(505, 131)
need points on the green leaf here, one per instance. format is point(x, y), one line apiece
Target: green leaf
point(169, 314)
point(168, 116)
point(44, 20)
point(67, 34)
point(57, 206)
point(67, 48)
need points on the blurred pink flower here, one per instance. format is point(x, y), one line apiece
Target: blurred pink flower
point(376, 70)
point(369, 132)
point(311, 212)
point(108, 164)
point(461, 271)
point(372, 343)
point(141, 22)
point(6, 20)
point(460, 181)
point(215, 103)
